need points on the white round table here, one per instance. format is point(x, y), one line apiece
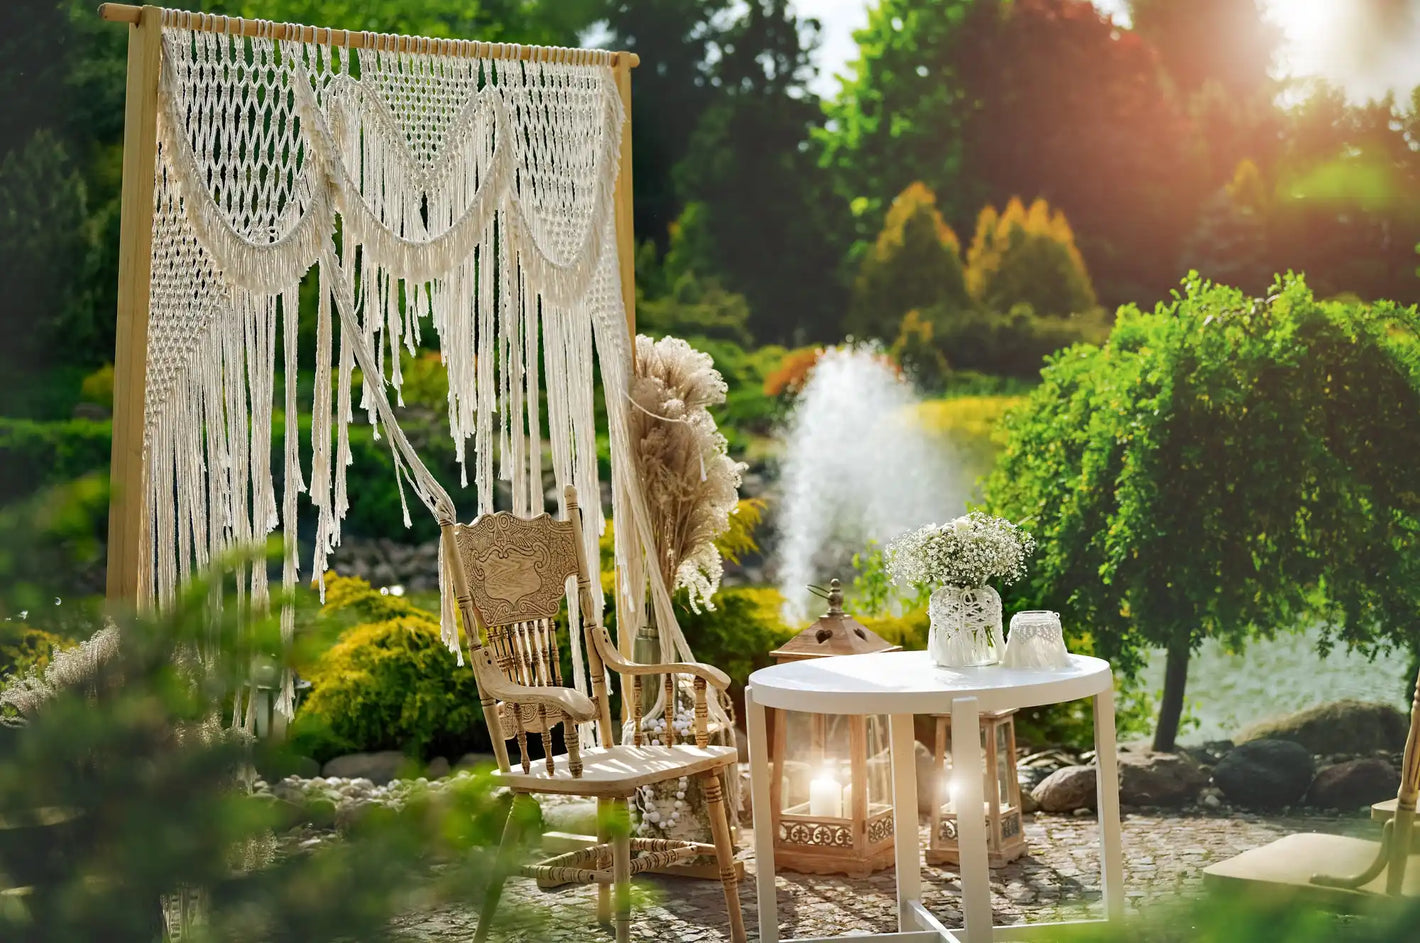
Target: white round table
point(901, 684)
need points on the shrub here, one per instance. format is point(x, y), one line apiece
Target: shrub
point(97, 387)
point(916, 351)
point(388, 683)
point(23, 647)
point(915, 263)
point(34, 454)
point(1027, 256)
point(792, 372)
point(1013, 343)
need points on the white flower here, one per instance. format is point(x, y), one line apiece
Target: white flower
point(967, 551)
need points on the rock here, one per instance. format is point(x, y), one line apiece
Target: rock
point(742, 745)
point(577, 816)
point(1353, 784)
point(438, 768)
point(1211, 801)
point(379, 768)
point(926, 776)
point(1265, 774)
point(1067, 789)
point(1209, 753)
point(1028, 803)
point(476, 761)
point(1349, 727)
point(1158, 779)
point(350, 814)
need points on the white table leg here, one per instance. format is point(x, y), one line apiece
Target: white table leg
point(763, 818)
point(968, 773)
point(1111, 854)
point(907, 847)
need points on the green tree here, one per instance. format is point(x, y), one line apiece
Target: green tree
point(1229, 242)
point(676, 40)
point(982, 100)
point(1225, 467)
point(1027, 256)
point(1227, 42)
point(914, 263)
point(757, 191)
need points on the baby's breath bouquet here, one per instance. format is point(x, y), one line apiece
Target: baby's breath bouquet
point(958, 560)
point(969, 551)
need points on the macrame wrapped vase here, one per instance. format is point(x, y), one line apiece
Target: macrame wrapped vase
point(1037, 641)
point(966, 626)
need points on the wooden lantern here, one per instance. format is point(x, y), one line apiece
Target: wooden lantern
point(1005, 834)
point(831, 783)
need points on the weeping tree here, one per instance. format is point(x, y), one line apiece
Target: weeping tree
point(1225, 467)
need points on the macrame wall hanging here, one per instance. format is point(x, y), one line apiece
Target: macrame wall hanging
point(435, 187)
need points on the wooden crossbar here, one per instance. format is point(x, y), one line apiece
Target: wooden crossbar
point(360, 39)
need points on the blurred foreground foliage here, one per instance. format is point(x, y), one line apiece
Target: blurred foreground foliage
point(121, 786)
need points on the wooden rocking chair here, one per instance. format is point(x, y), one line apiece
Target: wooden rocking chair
point(1333, 870)
point(509, 576)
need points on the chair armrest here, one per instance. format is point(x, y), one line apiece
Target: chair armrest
point(572, 703)
point(714, 676)
point(617, 662)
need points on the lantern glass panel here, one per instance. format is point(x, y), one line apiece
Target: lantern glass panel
point(808, 764)
point(949, 799)
point(1003, 764)
point(879, 783)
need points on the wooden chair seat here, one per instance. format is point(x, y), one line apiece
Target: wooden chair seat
point(619, 770)
point(1287, 866)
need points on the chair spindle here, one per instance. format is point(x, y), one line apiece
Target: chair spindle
point(702, 715)
point(669, 713)
point(636, 710)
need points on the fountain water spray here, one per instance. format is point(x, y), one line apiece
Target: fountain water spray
point(856, 467)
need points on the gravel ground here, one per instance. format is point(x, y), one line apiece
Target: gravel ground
point(1165, 853)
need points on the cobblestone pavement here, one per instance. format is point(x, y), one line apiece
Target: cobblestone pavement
point(1165, 853)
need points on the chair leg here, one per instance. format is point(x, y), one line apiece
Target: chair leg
point(512, 831)
point(604, 814)
point(724, 853)
point(621, 868)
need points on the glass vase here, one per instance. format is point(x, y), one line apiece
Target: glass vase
point(966, 626)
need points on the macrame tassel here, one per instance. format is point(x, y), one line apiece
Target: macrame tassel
point(448, 619)
point(320, 437)
point(292, 485)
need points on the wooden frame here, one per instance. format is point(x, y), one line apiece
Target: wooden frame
point(140, 142)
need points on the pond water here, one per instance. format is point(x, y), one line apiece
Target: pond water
point(1227, 692)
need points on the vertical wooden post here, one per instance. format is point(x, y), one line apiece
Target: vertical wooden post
point(626, 623)
point(135, 269)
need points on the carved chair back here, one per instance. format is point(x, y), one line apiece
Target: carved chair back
point(513, 573)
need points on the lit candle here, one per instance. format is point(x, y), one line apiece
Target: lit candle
point(825, 797)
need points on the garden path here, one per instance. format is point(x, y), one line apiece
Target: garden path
point(1165, 853)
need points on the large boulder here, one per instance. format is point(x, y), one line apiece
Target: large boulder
point(1067, 789)
point(379, 767)
point(1354, 784)
point(1159, 779)
point(1349, 726)
point(1265, 774)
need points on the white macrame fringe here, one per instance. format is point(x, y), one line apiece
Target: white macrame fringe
point(476, 193)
